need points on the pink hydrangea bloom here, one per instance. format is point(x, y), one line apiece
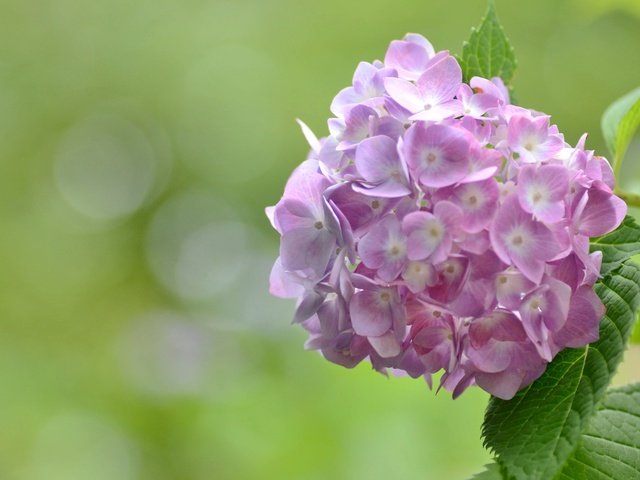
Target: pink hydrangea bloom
point(439, 227)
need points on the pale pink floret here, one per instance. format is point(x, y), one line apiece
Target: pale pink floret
point(384, 248)
point(476, 105)
point(521, 241)
point(478, 202)
point(431, 234)
point(532, 139)
point(367, 88)
point(432, 97)
point(383, 173)
point(437, 155)
point(542, 191)
point(410, 56)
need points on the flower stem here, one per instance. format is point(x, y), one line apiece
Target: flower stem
point(632, 199)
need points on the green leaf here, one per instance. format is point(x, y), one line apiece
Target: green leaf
point(619, 124)
point(619, 245)
point(635, 336)
point(488, 53)
point(491, 472)
point(534, 434)
point(610, 446)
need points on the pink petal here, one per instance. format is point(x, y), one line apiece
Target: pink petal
point(602, 213)
point(405, 93)
point(376, 157)
point(424, 233)
point(437, 154)
point(582, 326)
point(371, 314)
point(284, 284)
point(503, 385)
point(441, 81)
point(386, 345)
point(304, 248)
point(494, 357)
point(417, 275)
point(541, 191)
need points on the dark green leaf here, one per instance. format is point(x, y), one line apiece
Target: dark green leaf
point(610, 446)
point(619, 245)
point(488, 53)
point(535, 433)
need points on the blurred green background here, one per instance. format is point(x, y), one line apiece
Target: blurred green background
point(139, 143)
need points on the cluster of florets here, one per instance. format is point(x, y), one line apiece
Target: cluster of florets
point(439, 227)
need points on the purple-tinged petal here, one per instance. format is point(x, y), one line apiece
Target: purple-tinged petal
point(436, 154)
point(367, 89)
point(478, 201)
point(388, 189)
point(541, 191)
point(487, 87)
point(543, 312)
point(582, 326)
point(603, 212)
point(313, 141)
point(474, 299)
point(308, 306)
point(593, 267)
point(358, 209)
point(533, 139)
point(270, 212)
point(346, 99)
point(384, 248)
point(358, 123)
point(418, 275)
point(518, 239)
point(307, 248)
point(503, 385)
point(284, 284)
point(409, 56)
point(511, 287)
point(347, 350)
point(478, 104)
point(453, 274)
point(440, 81)
point(378, 162)
point(291, 214)
point(477, 243)
point(434, 341)
point(500, 325)
point(386, 345)
point(371, 311)
point(405, 93)
point(306, 184)
point(483, 163)
point(397, 111)
point(425, 232)
point(493, 357)
point(439, 112)
point(570, 270)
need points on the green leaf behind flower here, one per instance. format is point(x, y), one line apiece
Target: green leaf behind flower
point(488, 52)
point(619, 245)
point(620, 123)
point(610, 446)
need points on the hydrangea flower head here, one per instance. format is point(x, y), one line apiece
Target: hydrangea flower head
point(439, 227)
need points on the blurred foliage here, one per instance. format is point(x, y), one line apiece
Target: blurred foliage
point(140, 144)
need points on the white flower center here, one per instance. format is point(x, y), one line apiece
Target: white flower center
point(517, 240)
